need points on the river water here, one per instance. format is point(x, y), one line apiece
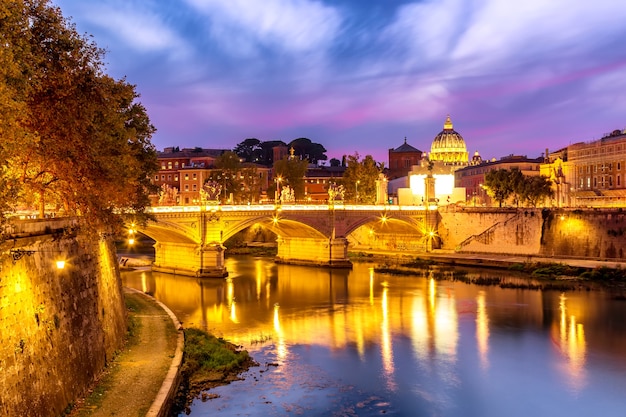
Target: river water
point(360, 343)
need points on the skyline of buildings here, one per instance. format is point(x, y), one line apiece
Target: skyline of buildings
point(592, 174)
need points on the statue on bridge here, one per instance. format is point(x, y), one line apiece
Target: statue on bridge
point(287, 195)
point(211, 191)
point(335, 192)
point(168, 196)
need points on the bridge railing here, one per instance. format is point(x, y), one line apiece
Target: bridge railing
point(286, 207)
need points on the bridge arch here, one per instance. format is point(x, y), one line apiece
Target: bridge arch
point(280, 226)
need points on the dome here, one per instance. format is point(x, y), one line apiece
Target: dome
point(449, 146)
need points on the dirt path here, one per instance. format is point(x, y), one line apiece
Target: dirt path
point(130, 385)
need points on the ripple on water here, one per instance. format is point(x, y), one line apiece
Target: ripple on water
point(294, 387)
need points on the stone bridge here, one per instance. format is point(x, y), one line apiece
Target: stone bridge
point(190, 239)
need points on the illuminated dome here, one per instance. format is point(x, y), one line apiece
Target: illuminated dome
point(448, 146)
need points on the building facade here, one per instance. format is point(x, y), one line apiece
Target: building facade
point(590, 174)
point(401, 159)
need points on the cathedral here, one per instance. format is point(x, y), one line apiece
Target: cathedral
point(448, 152)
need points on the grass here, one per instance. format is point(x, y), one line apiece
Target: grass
point(206, 353)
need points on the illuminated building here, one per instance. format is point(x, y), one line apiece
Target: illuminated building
point(185, 171)
point(318, 179)
point(590, 174)
point(449, 147)
point(448, 153)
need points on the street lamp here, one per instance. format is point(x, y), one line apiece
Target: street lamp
point(277, 192)
point(357, 191)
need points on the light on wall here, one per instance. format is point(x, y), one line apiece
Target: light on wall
point(17, 254)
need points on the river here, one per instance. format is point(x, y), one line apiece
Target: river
point(359, 343)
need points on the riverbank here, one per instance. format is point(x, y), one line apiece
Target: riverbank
point(550, 273)
point(482, 260)
point(139, 381)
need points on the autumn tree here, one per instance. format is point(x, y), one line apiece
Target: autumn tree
point(85, 148)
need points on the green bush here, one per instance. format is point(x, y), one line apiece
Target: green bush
point(206, 352)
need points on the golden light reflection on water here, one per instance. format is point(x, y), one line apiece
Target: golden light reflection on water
point(386, 341)
point(360, 310)
point(482, 329)
point(572, 345)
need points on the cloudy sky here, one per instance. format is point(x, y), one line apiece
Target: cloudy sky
point(516, 76)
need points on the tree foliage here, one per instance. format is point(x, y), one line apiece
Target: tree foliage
point(253, 150)
point(236, 179)
point(305, 149)
point(525, 190)
point(75, 139)
point(359, 179)
point(292, 172)
point(249, 150)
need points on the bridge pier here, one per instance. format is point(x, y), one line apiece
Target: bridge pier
point(313, 251)
point(190, 259)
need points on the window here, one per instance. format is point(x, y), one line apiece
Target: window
point(169, 178)
point(618, 180)
point(169, 165)
point(156, 177)
point(194, 175)
point(176, 164)
point(162, 177)
point(619, 166)
point(595, 182)
point(186, 187)
point(175, 177)
point(193, 187)
point(186, 176)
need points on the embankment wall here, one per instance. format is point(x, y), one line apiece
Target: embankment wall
point(594, 233)
point(58, 327)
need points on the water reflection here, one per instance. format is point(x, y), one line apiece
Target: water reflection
point(571, 343)
point(436, 347)
point(482, 329)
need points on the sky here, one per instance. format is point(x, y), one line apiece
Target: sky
point(360, 76)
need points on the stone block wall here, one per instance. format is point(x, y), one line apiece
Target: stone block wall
point(599, 234)
point(595, 234)
point(58, 327)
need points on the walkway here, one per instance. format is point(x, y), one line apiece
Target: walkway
point(138, 381)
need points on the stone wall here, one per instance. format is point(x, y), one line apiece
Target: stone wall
point(597, 234)
point(58, 327)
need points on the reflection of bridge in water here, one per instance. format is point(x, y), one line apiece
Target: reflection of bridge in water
point(189, 239)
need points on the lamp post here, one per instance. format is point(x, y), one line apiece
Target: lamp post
point(277, 192)
point(356, 198)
